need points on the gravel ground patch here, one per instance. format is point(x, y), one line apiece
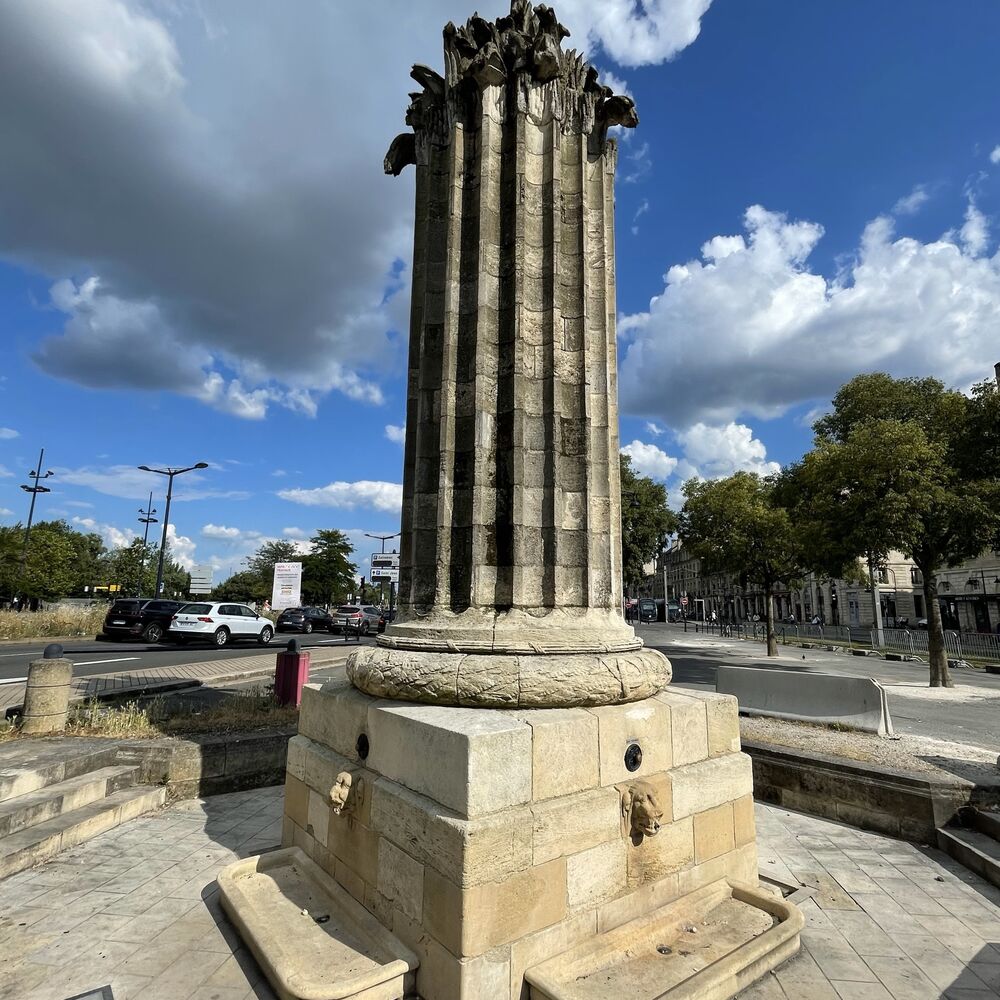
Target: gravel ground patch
point(919, 755)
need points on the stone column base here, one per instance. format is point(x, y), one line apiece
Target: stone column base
point(557, 680)
point(490, 841)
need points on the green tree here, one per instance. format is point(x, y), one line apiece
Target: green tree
point(262, 561)
point(50, 570)
point(244, 587)
point(646, 522)
point(739, 525)
point(328, 575)
point(909, 455)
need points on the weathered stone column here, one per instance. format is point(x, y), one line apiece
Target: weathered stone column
point(511, 579)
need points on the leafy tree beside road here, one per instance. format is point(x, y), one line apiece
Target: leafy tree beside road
point(738, 525)
point(646, 522)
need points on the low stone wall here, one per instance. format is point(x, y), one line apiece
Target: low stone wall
point(871, 798)
point(210, 765)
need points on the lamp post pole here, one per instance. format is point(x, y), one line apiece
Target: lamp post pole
point(36, 475)
point(147, 519)
point(169, 473)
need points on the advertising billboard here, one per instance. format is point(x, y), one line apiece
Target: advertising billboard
point(287, 589)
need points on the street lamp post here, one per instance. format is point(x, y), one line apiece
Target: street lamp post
point(383, 539)
point(36, 475)
point(147, 519)
point(169, 473)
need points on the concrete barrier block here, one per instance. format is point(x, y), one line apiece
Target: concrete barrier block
point(855, 702)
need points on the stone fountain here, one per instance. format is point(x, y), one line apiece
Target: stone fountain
point(502, 798)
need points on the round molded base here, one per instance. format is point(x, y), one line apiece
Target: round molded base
point(493, 680)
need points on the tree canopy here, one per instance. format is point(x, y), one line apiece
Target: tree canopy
point(646, 522)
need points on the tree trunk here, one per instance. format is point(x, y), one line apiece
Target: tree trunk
point(937, 656)
point(772, 639)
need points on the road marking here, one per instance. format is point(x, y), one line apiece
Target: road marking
point(29, 653)
point(13, 680)
point(91, 663)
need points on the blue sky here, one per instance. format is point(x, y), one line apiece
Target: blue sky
point(201, 260)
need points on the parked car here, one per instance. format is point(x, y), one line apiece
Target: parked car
point(363, 617)
point(139, 618)
point(304, 620)
point(219, 624)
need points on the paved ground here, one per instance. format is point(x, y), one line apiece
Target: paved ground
point(969, 717)
point(137, 909)
point(204, 669)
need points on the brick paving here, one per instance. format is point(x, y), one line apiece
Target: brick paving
point(137, 909)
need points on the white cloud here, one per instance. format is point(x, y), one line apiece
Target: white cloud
point(913, 202)
point(112, 536)
point(211, 264)
point(181, 547)
point(129, 482)
point(8, 434)
point(299, 534)
point(749, 329)
point(6, 512)
point(396, 434)
point(381, 496)
point(220, 531)
point(639, 212)
point(721, 450)
point(279, 473)
point(995, 155)
point(655, 429)
point(5, 473)
point(636, 164)
point(648, 460)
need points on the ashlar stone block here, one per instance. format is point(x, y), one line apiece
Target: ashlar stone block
point(714, 833)
point(644, 722)
point(595, 875)
point(710, 783)
point(469, 922)
point(723, 714)
point(564, 751)
point(688, 728)
point(654, 858)
point(335, 714)
point(575, 823)
point(474, 761)
point(400, 879)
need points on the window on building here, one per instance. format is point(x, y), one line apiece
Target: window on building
point(918, 605)
point(883, 575)
point(916, 577)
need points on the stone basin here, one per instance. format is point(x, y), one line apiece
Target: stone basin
point(708, 945)
point(335, 950)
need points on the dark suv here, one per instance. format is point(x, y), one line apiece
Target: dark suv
point(139, 618)
point(304, 620)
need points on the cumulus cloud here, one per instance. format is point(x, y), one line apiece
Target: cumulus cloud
point(220, 531)
point(648, 460)
point(380, 496)
point(112, 536)
point(181, 547)
point(5, 473)
point(995, 155)
point(721, 450)
point(396, 434)
point(6, 512)
point(654, 428)
point(238, 245)
point(749, 329)
point(8, 434)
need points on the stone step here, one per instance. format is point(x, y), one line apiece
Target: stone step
point(39, 843)
point(977, 851)
point(987, 823)
point(22, 811)
point(53, 763)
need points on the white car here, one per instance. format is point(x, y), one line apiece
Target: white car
point(219, 623)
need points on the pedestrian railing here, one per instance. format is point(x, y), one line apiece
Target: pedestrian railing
point(903, 640)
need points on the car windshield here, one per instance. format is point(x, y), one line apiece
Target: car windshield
point(195, 609)
point(348, 609)
point(292, 611)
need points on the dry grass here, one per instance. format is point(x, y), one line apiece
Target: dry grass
point(239, 712)
point(48, 624)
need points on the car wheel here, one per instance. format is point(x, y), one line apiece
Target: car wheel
point(265, 635)
point(307, 628)
point(153, 633)
point(221, 637)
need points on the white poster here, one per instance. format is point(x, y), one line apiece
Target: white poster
point(287, 589)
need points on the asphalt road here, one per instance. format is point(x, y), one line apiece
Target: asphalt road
point(975, 719)
point(91, 656)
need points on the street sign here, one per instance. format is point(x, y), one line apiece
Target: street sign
point(201, 579)
point(684, 601)
point(287, 589)
point(385, 567)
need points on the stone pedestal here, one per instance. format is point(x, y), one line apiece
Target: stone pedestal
point(488, 841)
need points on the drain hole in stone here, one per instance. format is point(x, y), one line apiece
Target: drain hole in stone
point(362, 746)
point(322, 919)
point(633, 757)
point(664, 949)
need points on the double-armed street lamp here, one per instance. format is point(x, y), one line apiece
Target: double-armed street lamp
point(146, 519)
point(169, 473)
point(36, 475)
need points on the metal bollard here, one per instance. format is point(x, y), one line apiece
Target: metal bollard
point(291, 673)
point(46, 694)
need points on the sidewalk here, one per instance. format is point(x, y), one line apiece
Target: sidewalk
point(137, 908)
point(171, 678)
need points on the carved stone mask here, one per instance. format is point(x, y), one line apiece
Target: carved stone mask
point(642, 809)
point(341, 789)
